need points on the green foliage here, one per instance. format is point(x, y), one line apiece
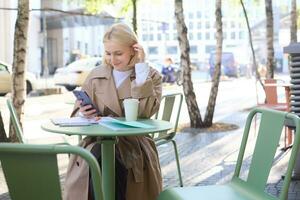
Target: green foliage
point(96, 6)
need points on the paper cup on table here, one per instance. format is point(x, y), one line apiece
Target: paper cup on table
point(131, 107)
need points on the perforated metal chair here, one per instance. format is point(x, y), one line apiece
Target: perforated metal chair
point(170, 111)
point(31, 171)
point(16, 123)
point(253, 188)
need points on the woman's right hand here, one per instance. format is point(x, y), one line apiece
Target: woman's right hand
point(87, 111)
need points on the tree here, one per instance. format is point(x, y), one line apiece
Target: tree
point(190, 97)
point(19, 62)
point(293, 21)
point(251, 43)
point(270, 39)
point(217, 73)
point(96, 6)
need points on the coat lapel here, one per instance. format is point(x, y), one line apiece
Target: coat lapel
point(110, 97)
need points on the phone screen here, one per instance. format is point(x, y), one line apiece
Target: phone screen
point(84, 98)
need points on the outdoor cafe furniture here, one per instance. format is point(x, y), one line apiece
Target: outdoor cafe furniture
point(16, 123)
point(169, 110)
point(31, 171)
point(253, 186)
point(108, 141)
point(272, 101)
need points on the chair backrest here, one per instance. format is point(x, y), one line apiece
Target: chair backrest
point(271, 125)
point(271, 91)
point(15, 121)
point(31, 171)
point(170, 106)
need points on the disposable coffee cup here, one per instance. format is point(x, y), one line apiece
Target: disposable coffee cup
point(131, 107)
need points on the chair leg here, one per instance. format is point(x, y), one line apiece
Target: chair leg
point(177, 163)
point(288, 134)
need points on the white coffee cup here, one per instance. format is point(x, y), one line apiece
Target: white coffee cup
point(131, 107)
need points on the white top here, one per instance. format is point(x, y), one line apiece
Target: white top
point(120, 76)
point(141, 72)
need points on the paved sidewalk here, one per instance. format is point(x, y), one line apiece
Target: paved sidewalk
point(206, 159)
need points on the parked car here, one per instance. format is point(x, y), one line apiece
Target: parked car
point(6, 79)
point(229, 67)
point(74, 74)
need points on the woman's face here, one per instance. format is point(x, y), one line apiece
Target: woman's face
point(118, 55)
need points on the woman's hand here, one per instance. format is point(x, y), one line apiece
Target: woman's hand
point(140, 52)
point(87, 111)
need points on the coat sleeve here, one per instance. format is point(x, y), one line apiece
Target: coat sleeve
point(149, 94)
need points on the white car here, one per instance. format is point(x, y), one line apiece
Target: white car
point(6, 79)
point(74, 74)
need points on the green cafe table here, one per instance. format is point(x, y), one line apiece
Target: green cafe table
point(108, 144)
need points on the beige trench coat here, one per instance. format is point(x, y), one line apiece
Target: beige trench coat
point(138, 153)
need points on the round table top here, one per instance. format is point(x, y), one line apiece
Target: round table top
point(99, 130)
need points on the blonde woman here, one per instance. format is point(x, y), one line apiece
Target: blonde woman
point(123, 74)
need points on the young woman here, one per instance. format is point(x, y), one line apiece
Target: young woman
point(123, 74)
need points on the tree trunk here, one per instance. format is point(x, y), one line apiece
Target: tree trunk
point(190, 97)
point(19, 62)
point(134, 24)
point(294, 21)
point(270, 39)
point(251, 44)
point(3, 136)
point(217, 73)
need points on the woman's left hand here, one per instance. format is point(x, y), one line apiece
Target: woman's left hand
point(140, 52)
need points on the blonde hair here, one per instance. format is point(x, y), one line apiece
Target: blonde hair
point(121, 34)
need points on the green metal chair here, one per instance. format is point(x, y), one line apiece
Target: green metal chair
point(270, 129)
point(166, 111)
point(31, 171)
point(16, 123)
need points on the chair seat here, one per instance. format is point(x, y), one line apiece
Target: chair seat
point(214, 192)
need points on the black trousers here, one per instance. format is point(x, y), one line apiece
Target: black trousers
point(121, 175)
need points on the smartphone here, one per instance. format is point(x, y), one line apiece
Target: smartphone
point(84, 98)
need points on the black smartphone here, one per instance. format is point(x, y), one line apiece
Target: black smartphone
point(84, 98)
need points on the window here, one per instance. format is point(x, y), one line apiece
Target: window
point(207, 36)
point(191, 25)
point(172, 50)
point(193, 49)
point(175, 36)
point(78, 45)
point(207, 24)
point(209, 48)
point(86, 48)
point(191, 36)
point(199, 36)
point(224, 35)
point(232, 24)
point(158, 36)
point(232, 35)
point(191, 15)
point(199, 25)
point(153, 50)
point(199, 14)
point(145, 37)
point(167, 36)
point(151, 37)
point(242, 35)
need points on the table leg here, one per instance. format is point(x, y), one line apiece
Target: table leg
point(108, 167)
